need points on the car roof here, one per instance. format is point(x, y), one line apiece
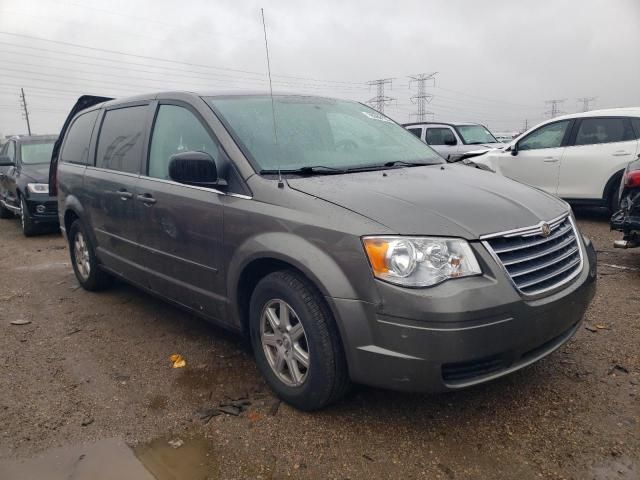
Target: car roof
point(626, 111)
point(33, 138)
point(203, 93)
point(450, 124)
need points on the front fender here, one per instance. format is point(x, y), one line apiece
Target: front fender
point(315, 263)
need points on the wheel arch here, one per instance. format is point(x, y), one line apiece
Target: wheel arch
point(611, 185)
point(279, 251)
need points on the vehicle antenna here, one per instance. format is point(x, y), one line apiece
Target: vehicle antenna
point(273, 109)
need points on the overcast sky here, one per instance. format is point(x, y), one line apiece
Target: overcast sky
point(497, 61)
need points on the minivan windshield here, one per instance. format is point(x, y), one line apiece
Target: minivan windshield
point(475, 134)
point(36, 152)
point(318, 134)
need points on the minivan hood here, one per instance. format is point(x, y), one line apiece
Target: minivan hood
point(442, 200)
point(38, 173)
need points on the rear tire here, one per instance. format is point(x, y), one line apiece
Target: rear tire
point(314, 340)
point(84, 260)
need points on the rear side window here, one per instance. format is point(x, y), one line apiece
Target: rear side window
point(177, 130)
point(121, 139)
point(76, 144)
point(603, 130)
point(440, 136)
point(416, 131)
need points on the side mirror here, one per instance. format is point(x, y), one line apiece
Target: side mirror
point(450, 141)
point(194, 168)
point(514, 149)
point(5, 161)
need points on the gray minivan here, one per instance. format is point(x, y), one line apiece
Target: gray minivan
point(343, 246)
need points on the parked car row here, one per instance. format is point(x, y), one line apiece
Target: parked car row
point(24, 182)
point(588, 158)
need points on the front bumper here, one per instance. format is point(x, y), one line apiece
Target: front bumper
point(43, 209)
point(462, 333)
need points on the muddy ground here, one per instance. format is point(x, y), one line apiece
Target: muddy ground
point(93, 366)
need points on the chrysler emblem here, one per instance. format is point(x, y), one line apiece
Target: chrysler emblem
point(545, 229)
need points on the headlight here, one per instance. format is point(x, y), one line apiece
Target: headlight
point(38, 187)
point(420, 261)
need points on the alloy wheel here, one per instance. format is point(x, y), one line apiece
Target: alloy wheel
point(284, 342)
point(81, 253)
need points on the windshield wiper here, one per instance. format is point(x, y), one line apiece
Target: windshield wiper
point(317, 169)
point(409, 164)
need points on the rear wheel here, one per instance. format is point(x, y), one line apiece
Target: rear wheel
point(29, 228)
point(84, 260)
point(296, 342)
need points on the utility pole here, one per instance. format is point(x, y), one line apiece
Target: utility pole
point(23, 103)
point(555, 111)
point(585, 102)
point(422, 97)
point(380, 100)
point(526, 125)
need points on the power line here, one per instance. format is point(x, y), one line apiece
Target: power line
point(23, 104)
point(380, 100)
point(422, 98)
point(167, 60)
point(585, 102)
point(555, 110)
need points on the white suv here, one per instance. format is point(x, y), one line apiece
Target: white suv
point(578, 157)
point(452, 140)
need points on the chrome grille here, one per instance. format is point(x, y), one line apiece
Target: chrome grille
point(537, 263)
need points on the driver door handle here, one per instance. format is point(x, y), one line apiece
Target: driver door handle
point(621, 153)
point(146, 198)
point(550, 160)
point(124, 195)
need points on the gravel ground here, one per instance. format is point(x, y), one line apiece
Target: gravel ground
point(94, 366)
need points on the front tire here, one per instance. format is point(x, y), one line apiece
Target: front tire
point(29, 228)
point(296, 342)
point(84, 260)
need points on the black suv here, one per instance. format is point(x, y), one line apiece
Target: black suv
point(24, 182)
point(342, 245)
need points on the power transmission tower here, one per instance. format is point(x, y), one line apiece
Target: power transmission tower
point(585, 102)
point(422, 97)
point(23, 104)
point(380, 100)
point(526, 125)
point(555, 111)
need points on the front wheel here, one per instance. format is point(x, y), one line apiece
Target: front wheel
point(29, 228)
point(296, 342)
point(84, 260)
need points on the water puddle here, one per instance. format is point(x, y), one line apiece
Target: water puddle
point(176, 458)
point(106, 459)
